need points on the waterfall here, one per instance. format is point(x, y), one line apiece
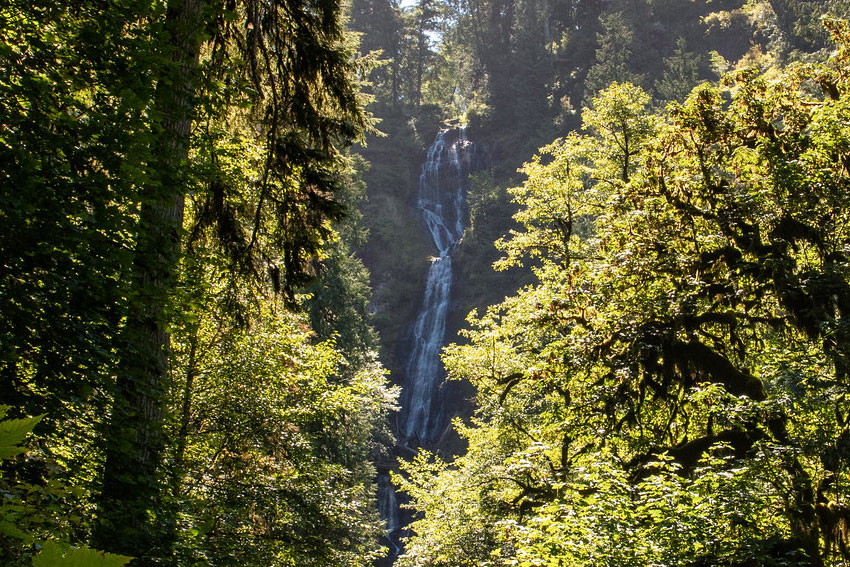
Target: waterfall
point(388, 507)
point(443, 183)
point(442, 188)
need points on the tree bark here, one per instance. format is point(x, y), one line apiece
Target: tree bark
point(129, 518)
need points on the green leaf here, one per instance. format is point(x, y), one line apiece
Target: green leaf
point(12, 433)
point(60, 555)
point(11, 530)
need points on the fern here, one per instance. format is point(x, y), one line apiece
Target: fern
point(13, 432)
point(54, 554)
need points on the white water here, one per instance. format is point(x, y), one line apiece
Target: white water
point(442, 186)
point(389, 509)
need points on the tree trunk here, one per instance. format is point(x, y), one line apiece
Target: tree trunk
point(419, 64)
point(129, 519)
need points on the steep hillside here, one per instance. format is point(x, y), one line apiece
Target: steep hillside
point(518, 72)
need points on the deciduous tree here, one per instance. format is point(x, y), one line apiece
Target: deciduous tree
point(676, 380)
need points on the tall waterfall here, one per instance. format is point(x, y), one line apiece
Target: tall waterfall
point(442, 188)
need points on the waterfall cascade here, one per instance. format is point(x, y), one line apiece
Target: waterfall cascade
point(443, 183)
point(388, 507)
point(442, 189)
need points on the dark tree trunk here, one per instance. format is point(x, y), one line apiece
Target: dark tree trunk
point(130, 518)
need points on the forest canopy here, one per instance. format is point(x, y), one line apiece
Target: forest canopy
point(672, 390)
point(196, 203)
point(173, 175)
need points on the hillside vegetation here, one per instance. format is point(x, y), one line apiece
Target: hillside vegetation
point(210, 261)
point(664, 380)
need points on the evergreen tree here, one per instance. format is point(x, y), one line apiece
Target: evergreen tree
point(381, 24)
point(112, 117)
point(681, 74)
point(612, 56)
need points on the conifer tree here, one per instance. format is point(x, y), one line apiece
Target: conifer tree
point(113, 115)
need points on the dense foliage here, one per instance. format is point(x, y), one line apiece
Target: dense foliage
point(188, 373)
point(518, 73)
point(673, 388)
point(172, 175)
